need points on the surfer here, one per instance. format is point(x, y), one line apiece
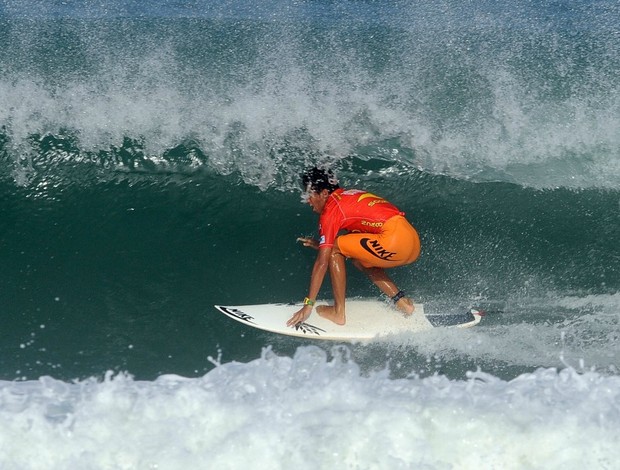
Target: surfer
point(378, 237)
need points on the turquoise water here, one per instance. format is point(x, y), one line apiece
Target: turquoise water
point(149, 158)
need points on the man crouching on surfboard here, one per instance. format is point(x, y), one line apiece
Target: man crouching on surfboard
point(379, 237)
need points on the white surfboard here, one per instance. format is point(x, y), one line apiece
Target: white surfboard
point(366, 319)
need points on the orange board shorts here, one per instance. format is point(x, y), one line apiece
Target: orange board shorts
point(397, 244)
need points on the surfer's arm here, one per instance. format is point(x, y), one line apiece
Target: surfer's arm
point(316, 280)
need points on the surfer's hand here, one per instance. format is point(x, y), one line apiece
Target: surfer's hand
point(310, 242)
point(300, 316)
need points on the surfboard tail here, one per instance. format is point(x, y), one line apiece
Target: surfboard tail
point(477, 316)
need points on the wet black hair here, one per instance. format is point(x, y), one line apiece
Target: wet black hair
point(319, 179)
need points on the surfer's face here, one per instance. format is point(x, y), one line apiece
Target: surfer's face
point(317, 200)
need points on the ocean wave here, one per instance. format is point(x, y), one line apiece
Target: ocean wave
point(477, 101)
point(312, 411)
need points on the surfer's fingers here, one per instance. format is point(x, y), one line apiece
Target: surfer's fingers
point(293, 320)
point(309, 242)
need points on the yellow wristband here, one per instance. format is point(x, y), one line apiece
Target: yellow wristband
point(308, 301)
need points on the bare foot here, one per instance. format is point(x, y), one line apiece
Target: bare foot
point(329, 312)
point(406, 306)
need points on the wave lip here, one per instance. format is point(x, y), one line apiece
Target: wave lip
point(465, 96)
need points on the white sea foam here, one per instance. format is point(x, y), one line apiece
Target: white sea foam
point(533, 149)
point(506, 125)
point(554, 332)
point(311, 411)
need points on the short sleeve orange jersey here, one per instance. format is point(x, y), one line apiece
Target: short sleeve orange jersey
point(353, 210)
